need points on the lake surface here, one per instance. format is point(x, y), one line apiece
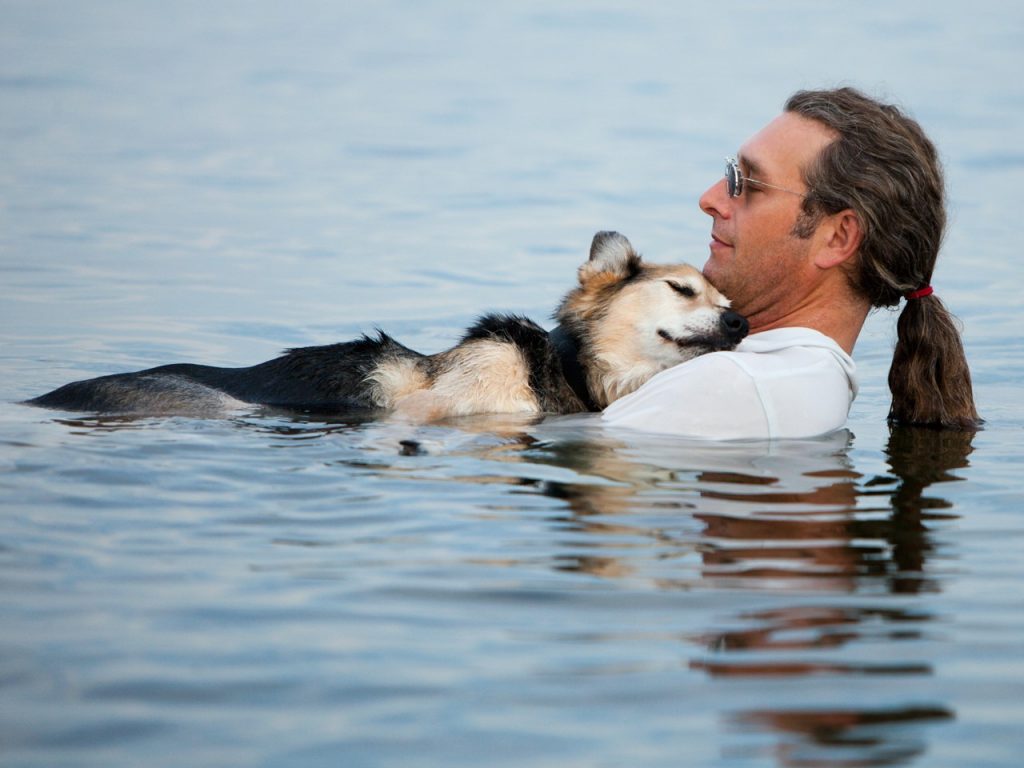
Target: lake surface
point(214, 183)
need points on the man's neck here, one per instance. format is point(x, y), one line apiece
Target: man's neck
point(842, 321)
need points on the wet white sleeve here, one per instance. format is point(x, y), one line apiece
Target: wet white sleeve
point(710, 396)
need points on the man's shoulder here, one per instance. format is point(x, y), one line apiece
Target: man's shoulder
point(779, 339)
point(788, 351)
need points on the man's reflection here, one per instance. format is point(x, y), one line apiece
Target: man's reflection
point(846, 737)
point(783, 520)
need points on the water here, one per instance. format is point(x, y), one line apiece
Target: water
point(214, 183)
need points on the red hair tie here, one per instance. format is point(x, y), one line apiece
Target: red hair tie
point(920, 293)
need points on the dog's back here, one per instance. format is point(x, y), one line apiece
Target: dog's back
point(322, 379)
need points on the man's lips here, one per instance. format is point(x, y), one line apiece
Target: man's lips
point(718, 243)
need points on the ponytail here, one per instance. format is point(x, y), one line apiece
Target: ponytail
point(929, 378)
point(884, 168)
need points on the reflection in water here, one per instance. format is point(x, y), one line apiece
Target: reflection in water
point(777, 633)
point(815, 627)
point(827, 563)
point(918, 457)
point(794, 523)
point(846, 737)
point(290, 425)
point(787, 519)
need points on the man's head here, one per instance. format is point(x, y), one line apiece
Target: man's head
point(759, 258)
point(850, 215)
point(847, 155)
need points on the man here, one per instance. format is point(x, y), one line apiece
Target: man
point(835, 207)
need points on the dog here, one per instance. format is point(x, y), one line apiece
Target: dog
point(625, 321)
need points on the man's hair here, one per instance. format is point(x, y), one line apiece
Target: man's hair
point(884, 168)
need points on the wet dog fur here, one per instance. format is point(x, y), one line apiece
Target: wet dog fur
point(625, 321)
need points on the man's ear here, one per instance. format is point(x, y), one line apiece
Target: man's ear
point(841, 235)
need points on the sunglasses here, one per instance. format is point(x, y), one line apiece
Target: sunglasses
point(735, 180)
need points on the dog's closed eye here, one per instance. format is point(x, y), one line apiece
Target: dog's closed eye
point(685, 290)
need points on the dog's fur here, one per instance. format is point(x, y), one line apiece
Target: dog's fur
point(625, 321)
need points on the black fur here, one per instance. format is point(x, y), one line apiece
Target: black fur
point(322, 379)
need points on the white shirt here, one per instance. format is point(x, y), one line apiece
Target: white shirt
point(782, 383)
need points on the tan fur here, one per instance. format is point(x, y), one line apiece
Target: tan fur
point(395, 379)
point(476, 377)
point(627, 349)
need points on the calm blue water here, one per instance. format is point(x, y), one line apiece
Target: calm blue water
point(215, 182)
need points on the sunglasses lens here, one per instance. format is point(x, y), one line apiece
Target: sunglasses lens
point(733, 179)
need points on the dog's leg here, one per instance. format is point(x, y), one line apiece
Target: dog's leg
point(423, 406)
point(479, 376)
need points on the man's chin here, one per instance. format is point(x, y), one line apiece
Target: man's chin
point(713, 272)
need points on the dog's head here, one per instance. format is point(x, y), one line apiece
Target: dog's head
point(632, 319)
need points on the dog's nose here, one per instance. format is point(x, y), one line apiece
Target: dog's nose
point(734, 325)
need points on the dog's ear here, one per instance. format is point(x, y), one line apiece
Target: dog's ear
point(612, 256)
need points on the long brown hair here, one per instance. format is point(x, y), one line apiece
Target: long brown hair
point(884, 168)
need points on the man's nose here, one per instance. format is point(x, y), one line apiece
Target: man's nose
point(715, 201)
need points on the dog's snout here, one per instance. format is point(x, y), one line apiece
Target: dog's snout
point(734, 325)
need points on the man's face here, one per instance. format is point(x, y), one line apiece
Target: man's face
point(756, 259)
